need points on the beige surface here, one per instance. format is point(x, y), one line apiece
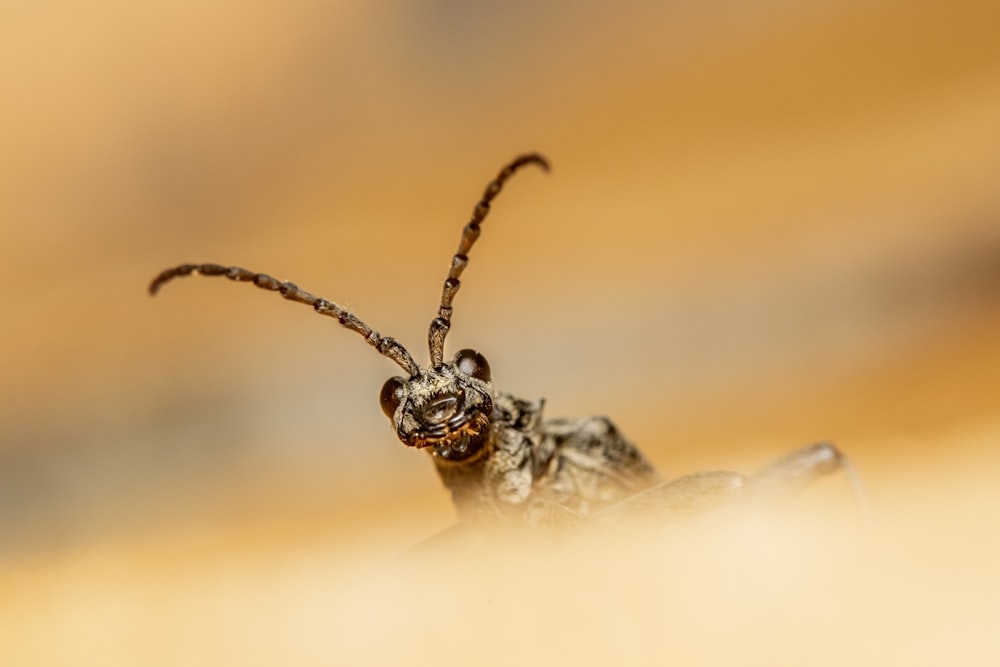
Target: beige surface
point(766, 224)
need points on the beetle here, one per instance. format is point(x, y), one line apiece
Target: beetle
point(496, 454)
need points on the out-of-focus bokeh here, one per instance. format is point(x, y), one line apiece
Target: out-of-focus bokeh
point(768, 223)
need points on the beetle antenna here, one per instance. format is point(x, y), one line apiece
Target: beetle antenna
point(442, 323)
point(387, 347)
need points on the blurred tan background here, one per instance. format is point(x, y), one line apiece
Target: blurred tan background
point(767, 223)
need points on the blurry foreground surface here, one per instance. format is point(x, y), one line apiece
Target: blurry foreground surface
point(916, 587)
point(767, 224)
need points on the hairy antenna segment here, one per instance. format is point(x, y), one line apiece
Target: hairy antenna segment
point(386, 346)
point(442, 323)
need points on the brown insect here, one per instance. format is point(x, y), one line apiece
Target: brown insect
point(501, 461)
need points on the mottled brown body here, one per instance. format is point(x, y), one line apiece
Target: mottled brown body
point(545, 471)
point(501, 461)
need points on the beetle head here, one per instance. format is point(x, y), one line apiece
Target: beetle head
point(448, 408)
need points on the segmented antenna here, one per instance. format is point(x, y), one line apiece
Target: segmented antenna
point(388, 347)
point(442, 323)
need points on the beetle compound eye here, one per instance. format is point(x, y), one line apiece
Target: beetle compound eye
point(472, 363)
point(391, 395)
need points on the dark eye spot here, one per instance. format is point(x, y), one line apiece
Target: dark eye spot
point(391, 395)
point(473, 364)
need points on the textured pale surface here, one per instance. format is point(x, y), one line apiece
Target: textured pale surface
point(766, 224)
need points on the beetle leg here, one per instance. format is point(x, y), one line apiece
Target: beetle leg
point(686, 496)
point(701, 492)
point(794, 471)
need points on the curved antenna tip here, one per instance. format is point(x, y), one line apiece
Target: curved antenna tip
point(536, 158)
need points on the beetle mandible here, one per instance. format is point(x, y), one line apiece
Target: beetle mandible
point(501, 461)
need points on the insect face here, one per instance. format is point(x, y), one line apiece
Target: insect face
point(448, 408)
